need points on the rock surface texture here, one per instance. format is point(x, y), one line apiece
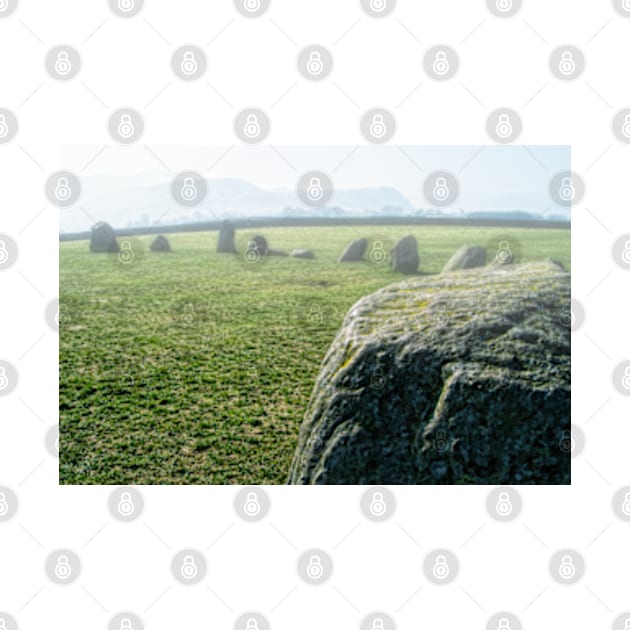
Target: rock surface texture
point(103, 238)
point(404, 255)
point(466, 257)
point(455, 379)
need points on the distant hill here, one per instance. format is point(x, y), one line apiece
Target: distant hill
point(229, 197)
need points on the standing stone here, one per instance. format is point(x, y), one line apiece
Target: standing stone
point(225, 243)
point(404, 255)
point(354, 251)
point(303, 253)
point(258, 244)
point(103, 238)
point(459, 379)
point(466, 257)
point(160, 244)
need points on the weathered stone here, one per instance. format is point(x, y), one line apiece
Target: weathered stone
point(303, 253)
point(466, 257)
point(354, 251)
point(460, 378)
point(276, 252)
point(225, 242)
point(103, 238)
point(160, 244)
point(258, 244)
point(404, 255)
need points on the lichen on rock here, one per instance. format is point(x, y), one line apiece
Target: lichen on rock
point(458, 378)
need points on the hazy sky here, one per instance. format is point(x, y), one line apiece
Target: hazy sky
point(506, 176)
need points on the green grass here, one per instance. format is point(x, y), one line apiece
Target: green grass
point(196, 367)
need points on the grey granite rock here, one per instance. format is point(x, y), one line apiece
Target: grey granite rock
point(459, 378)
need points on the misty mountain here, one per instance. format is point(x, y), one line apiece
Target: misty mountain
point(227, 197)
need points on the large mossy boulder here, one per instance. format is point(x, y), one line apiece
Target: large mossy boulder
point(103, 239)
point(354, 251)
point(460, 378)
point(404, 255)
point(466, 257)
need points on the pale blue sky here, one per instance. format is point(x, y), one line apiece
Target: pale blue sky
point(495, 177)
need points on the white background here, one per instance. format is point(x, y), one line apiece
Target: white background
point(252, 63)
